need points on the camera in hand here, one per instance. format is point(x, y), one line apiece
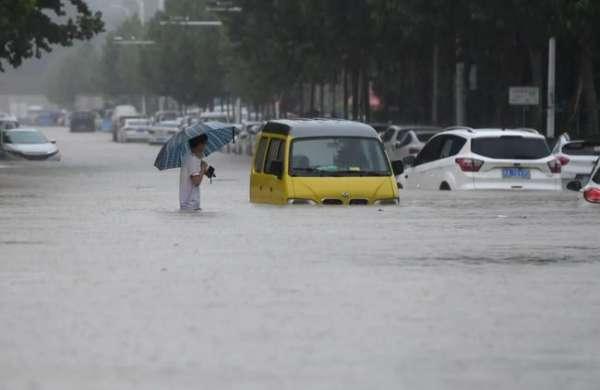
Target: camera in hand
point(210, 172)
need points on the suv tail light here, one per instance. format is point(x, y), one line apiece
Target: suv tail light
point(469, 164)
point(555, 166)
point(592, 195)
point(564, 160)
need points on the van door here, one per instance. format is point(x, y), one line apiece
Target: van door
point(274, 188)
point(257, 179)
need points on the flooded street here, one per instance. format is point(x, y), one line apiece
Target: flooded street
point(105, 284)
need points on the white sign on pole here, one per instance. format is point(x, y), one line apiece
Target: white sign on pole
point(524, 96)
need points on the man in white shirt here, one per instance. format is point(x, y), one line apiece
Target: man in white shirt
point(192, 173)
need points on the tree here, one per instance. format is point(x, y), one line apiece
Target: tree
point(186, 62)
point(28, 28)
point(75, 73)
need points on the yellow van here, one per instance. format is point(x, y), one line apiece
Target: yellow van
point(329, 162)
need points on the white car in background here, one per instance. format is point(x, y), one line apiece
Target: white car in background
point(135, 130)
point(162, 132)
point(401, 142)
point(27, 144)
point(484, 159)
point(577, 158)
point(8, 122)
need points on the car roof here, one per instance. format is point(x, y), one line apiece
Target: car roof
point(492, 132)
point(417, 128)
point(23, 130)
point(308, 128)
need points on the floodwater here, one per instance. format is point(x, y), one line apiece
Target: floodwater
point(105, 285)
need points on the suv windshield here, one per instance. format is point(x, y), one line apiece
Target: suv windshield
point(511, 148)
point(339, 156)
point(24, 137)
point(582, 149)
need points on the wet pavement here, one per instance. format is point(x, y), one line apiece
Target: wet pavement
point(104, 284)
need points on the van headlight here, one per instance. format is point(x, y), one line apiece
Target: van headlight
point(302, 202)
point(387, 202)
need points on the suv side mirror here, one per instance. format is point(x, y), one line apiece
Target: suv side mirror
point(409, 161)
point(277, 169)
point(397, 167)
point(574, 186)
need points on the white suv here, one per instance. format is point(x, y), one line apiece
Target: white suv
point(484, 159)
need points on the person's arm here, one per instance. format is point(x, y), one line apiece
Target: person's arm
point(197, 177)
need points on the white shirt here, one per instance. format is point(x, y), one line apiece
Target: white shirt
point(189, 195)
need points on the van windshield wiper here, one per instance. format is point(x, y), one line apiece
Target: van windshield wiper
point(362, 173)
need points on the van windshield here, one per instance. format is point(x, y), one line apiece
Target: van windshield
point(338, 157)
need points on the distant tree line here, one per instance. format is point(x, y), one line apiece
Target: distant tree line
point(373, 60)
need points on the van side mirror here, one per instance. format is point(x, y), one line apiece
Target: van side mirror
point(397, 167)
point(409, 161)
point(276, 169)
point(574, 186)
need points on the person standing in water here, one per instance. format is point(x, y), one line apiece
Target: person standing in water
point(193, 171)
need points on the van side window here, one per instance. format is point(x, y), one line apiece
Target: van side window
point(259, 158)
point(274, 154)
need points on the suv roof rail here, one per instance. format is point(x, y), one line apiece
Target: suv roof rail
point(467, 128)
point(526, 129)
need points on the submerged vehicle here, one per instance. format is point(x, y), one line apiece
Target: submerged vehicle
point(328, 162)
point(27, 144)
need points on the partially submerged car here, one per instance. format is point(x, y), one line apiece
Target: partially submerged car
point(484, 159)
point(83, 121)
point(27, 144)
point(577, 157)
point(326, 162)
point(160, 133)
point(591, 189)
point(136, 130)
point(407, 141)
point(8, 122)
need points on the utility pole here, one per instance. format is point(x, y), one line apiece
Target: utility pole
point(551, 121)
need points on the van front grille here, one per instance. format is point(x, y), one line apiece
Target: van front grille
point(332, 202)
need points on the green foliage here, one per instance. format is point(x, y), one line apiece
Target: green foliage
point(186, 62)
point(28, 27)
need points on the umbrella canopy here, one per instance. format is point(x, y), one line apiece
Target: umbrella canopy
point(173, 153)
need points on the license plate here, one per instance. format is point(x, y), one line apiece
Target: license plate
point(516, 173)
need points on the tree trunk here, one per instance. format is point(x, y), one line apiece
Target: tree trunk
point(355, 93)
point(366, 93)
point(346, 94)
point(301, 98)
point(322, 99)
point(590, 97)
point(312, 97)
point(333, 93)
